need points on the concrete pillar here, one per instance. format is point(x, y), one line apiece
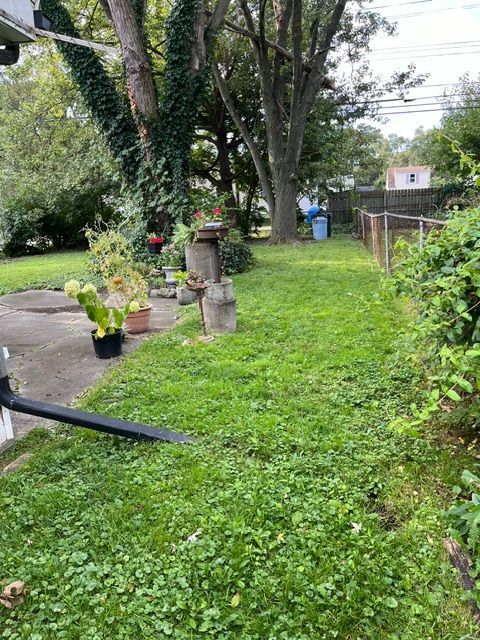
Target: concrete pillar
point(200, 258)
point(220, 307)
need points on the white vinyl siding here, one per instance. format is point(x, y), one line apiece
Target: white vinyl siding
point(413, 179)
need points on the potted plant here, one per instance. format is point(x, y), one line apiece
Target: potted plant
point(202, 225)
point(111, 257)
point(211, 226)
point(132, 288)
point(107, 337)
point(172, 260)
point(155, 244)
point(184, 294)
point(200, 241)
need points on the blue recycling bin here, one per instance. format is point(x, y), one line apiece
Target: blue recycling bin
point(320, 228)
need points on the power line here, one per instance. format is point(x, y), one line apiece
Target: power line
point(427, 104)
point(422, 13)
point(405, 100)
point(426, 53)
point(431, 55)
point(471, 84)
point(433, 45)
point(399, 4)
point(391, 113)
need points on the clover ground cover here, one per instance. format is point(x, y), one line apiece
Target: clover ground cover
point(296, 515)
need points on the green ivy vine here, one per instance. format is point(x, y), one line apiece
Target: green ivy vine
point(159, 185)
point(109, 111)
point(182, 96)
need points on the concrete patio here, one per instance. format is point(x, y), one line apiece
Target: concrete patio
point(51, 352)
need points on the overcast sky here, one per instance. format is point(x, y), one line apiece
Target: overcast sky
point(425, 24)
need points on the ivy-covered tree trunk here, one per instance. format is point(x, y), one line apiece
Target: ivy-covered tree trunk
point(108, 110)
point(127, 18)
point(152, 142)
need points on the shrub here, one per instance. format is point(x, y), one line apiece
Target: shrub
point(33, 223)
point(235, 254)
point(443, 280)
point(21, 231)
point(465, 515)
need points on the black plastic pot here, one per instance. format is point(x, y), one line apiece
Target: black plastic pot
point(155, 248)
point(110, 346)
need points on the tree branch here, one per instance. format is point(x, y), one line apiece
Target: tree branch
point(247, 15)
point(205, 173)
point(216, 19)
point(247, 138)
point(156, 51)
point(288, 55)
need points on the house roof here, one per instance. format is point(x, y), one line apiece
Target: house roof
point(391, 171)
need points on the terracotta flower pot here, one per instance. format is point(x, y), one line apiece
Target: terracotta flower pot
point(139, 321)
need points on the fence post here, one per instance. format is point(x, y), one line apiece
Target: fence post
point(387, 253)
point(422, 233)
point(375, 222)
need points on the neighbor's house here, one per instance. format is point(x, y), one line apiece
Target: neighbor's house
point(414, 177)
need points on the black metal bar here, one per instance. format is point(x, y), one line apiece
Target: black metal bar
point(94, 421)
point(9, 55)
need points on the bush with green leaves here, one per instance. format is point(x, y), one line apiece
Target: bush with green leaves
point(56, 176)
point(443, 281)
point(465, 514)
point(235, 254)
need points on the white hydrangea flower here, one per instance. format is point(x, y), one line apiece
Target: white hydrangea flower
point(134, 307)
point(89, 287)
point(72, 288)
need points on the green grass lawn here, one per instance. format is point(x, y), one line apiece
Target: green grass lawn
point(310, 519)
point(48, 271)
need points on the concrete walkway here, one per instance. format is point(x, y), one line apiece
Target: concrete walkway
point(51, 351)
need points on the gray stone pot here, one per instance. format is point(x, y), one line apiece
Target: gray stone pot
point(185, 296)
point(169, 273)
point(220, 307)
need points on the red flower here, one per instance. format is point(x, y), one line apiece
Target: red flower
point(199, 214)
point(157, 240)
point(217, 211)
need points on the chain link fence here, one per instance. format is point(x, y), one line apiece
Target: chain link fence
point(380, 233)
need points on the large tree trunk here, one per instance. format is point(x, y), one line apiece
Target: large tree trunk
point(284, 223)
point(129, 30)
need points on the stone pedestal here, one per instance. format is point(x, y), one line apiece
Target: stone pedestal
point(200, 258)
point(220, 307)
point(184, 296)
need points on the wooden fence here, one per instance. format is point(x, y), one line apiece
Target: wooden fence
point(408, 202)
